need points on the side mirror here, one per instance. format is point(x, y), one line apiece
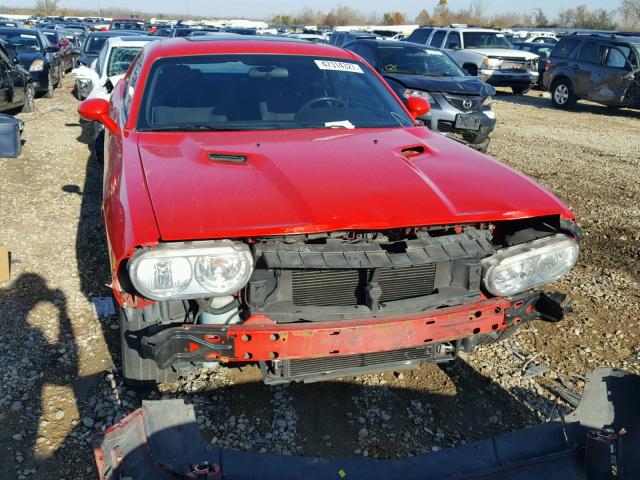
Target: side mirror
point(418, 106)
point(153, 30)
point(97, 110)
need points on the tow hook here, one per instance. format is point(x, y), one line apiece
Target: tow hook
point(552, 307)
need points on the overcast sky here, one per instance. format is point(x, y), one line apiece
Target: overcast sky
point(268, 8)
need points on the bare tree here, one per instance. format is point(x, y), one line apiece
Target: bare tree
point(539, 18)
point(423, 18)
point(394, 18)
point(477, 10)
point(630, 13)
point(441, 13)
point(47, 7)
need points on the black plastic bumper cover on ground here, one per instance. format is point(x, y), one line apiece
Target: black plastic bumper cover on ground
point(161, 440)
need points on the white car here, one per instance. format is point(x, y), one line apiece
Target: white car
point(483, 52)
point(98, 80)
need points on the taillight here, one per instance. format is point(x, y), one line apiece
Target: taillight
point(548, 66)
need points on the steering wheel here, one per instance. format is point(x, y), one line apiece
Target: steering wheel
point(322, 99)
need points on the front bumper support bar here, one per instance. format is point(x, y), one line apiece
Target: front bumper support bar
point(261, 339)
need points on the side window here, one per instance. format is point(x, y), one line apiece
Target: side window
point(365, 52)
point(420, 35)
point(102, 59)
point(453, 41)
point(543, 52)
point(131, 85)
point(618, 56)
point(589, 52)
point(438, 37)
point(565, 47)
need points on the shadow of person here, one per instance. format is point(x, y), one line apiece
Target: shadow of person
point(45, 355)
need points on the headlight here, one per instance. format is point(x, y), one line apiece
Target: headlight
point(418, 93)
point(525, 266)
point(192, 270)
point(37, 66)
point(491, 63)
point(487, 102)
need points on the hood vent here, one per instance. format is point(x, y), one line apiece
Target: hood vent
point(225, 157)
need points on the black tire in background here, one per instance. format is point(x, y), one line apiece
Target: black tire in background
point(29, 99)
point(520, 90)
point(562, 95)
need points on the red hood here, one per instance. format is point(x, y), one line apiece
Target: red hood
point(320, 180)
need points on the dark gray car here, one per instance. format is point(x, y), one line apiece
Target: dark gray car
point(600, 67)
point(460, 103)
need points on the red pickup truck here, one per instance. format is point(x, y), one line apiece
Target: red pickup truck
point(273, 201)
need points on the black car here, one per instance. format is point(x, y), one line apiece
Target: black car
point(600, 67)
point(36, 55)
point(65, 49)
point(543, 50)
point(93, 44)
point(460, 104)
point(341, 38)
point(16, 86)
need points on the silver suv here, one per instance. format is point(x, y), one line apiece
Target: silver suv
point(483, 52)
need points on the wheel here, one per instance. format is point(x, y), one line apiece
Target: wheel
point(98, 147)
point(471, 70)
point(562, 95)
point(60, 76)
point(49, 92)
point(477, 141)
point(139, 371)
point(29, 99)
point(521, 90)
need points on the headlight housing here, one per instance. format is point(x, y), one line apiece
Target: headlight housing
point(191, 270)
point(37, 65)
point(418, 93)
point(491, 63)
point(487, 101)
point(518, 268)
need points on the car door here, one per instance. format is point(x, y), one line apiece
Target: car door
point(5, 87)
point(437, 38)
point(612, 80)
point(453, 41)
point(588, 62)
point(16, 79)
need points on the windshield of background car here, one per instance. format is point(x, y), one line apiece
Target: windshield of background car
point(23, 42)
point(485, 40)
point(417, 61)
point(127, 26)
point(265, 92)
point(121, 58)
point(93, 45)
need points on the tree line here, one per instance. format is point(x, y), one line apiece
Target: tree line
point(625, 17)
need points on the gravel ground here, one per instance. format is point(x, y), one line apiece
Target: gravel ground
point(61, 383)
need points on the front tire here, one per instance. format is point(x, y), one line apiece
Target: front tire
point(562, 95)
point(139, 371)
point(29, 100)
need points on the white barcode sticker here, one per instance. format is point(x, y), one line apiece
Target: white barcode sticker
point(338, 66)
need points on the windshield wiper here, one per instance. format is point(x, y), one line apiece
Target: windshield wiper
point(193, 127)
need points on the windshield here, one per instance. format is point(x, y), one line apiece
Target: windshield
point(264, 92)
point(93, 45)
point(485, 40)
point(121, 58)
point(23, 42)
point(418, 61)
point(127, 25)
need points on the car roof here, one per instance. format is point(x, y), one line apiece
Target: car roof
point(631, 37)
point(376, 41)
point(128, 19)
point(205, 45)
point(535, 44)
point(18, 30)
point(138, 39)
point(114, 33)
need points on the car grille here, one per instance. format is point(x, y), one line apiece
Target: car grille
point(521, 66)
point(348, 287)
point(473, 103)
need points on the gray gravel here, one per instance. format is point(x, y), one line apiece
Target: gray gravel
point(61, 384)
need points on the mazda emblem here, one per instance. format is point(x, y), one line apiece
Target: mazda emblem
point(467, 104)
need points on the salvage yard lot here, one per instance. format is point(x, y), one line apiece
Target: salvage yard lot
point(60, 381)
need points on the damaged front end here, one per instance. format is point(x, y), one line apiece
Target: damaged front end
point(598, 441)
point(323, 306)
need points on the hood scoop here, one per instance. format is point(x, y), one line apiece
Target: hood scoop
point(227, 157)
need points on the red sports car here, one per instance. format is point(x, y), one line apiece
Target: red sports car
point(273, 201)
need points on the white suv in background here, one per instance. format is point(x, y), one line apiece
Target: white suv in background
point(483, 52)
